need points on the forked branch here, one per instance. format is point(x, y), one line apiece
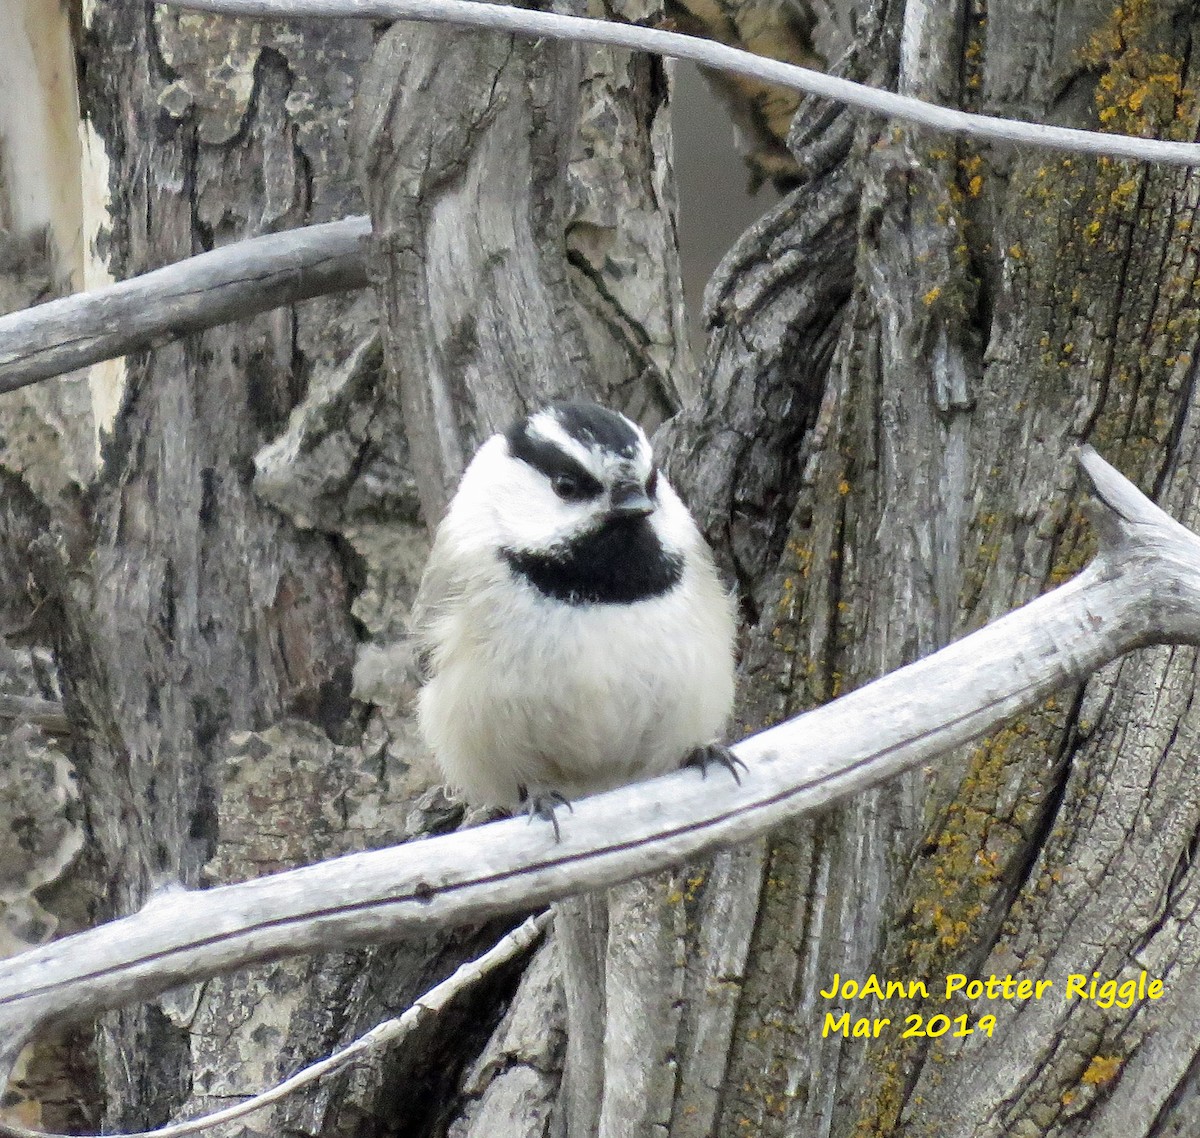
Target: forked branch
point(1143, 587)
point(388, 1034)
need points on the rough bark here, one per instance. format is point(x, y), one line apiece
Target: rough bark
point(204, 638)
point(1004, 306)
point(1088, 292)
point(899, 359)
point(982, 312)
point(524, 218)
point(40, 803)
point(524, 248)
point(204, 612)
point(1141, 588)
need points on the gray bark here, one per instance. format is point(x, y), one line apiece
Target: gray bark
point(205, 612)
point(1141, 588)
point(1004, 306)
point(510, 268)
point(524, 218)
point(873, 469)
point(899, 359)
point(982, 312)
point(204, 638)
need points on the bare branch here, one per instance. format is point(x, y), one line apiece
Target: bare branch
point(226, 284)
point(266, 272)
point(47, 714)
point(519, 21)
point(1142, 588)
point(387, 1034)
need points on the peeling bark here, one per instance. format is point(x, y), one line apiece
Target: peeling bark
point(204, 638)
point(523, 209)
point(899, 359)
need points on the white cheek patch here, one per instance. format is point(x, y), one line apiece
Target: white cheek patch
point(543, 517)
point(672, 522)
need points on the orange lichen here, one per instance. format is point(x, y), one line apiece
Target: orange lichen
point(1102, 1070)
point(1140, 90)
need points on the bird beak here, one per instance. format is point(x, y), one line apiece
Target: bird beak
point(629, 500)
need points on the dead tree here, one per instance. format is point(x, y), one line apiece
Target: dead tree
point(900, 358)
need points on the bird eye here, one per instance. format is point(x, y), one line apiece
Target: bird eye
point(652, 483)
point(568, 487)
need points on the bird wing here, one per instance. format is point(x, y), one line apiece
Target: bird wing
point(440, 586)
point(390, 673)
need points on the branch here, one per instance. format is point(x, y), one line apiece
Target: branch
point(519, 21)
point(387, 1034)
point(1142, 588)
point(47, 714)
point(232, 283)
point(253, 276)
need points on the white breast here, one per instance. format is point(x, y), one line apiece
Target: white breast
point(575, 698)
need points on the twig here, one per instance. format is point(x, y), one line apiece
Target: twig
point(232, 283)
point(47, 714)
point(266, 272)
point(519, 21)
point(1142, 588)
point(387, 1034)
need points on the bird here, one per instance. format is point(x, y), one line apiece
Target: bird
point(573, 629)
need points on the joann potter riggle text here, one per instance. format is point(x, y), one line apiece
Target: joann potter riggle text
point(1105, 992)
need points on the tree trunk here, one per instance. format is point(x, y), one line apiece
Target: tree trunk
point(1004, 306)
point(200, 581)
point(899, 359)
point(524, 228)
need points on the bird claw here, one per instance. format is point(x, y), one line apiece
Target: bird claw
point(541, 804)
point(710, 753)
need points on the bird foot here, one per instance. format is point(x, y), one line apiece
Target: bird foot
point(715, 753)
point(541, 804)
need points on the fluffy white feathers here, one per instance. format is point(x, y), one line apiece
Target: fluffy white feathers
point(577, 635)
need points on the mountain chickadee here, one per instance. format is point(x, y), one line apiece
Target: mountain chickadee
point(574, 631)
